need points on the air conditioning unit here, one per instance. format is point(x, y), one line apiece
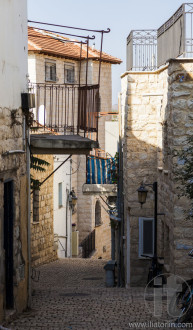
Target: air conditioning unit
point(27, 101)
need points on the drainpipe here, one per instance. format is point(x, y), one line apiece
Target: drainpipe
point(70, 209)
point(120, 233)
point(29, 218)
point(112, 242)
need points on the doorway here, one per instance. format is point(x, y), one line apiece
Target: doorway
point(8, 242)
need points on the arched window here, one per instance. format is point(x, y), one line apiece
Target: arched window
point(98, 220)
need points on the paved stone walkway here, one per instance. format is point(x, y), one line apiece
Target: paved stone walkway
point(71, 294)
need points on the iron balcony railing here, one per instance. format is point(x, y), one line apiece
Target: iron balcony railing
point(142, 50)
point(67, 109)
point(147, 50)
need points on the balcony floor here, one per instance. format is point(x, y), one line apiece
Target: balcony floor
point(100, 189)
point(61, 144)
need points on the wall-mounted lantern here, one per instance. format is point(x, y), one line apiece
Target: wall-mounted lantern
point(142, 194)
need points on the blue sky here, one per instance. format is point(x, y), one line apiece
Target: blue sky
point(120, 16)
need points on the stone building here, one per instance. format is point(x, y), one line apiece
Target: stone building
point(157, 109)
point(14, 248)
point(53, 63)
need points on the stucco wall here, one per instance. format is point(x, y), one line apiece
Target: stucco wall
point(62, 213)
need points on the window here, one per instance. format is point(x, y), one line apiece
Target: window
point(98, 220)
point(60, 204)
point(50, 70)
point(146, 237)
point(36, 198)
point(69, 77)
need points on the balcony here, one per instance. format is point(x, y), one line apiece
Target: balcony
point(66, 117)
point(148, 50)
point(101, 174)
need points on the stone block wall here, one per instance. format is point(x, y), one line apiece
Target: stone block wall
point(140, 157)
point(42, 232)
point(178, 125)
point(13, 167)
point(102, 233)
point(157, 109)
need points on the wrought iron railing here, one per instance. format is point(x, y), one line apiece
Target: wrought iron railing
point(67, 109)
point(142, 50)
point(88, 245)
point(149, 49)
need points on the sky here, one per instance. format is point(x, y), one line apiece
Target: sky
point(120, 16)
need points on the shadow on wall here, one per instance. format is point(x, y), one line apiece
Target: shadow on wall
point(157, 122)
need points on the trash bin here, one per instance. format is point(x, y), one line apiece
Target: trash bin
point(110, 273)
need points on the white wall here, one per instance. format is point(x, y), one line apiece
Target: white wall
point(62, 214)
point(13, 54)
point(111, 137)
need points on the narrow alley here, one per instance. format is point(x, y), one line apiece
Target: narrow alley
point(71, 294)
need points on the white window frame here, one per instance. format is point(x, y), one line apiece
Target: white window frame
point(50, 63)
point(66, 65)
point(141, 222)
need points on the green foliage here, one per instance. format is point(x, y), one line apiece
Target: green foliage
point(184, 173)
point(38, 165)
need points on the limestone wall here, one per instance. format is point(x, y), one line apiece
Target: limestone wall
point(142, 97)
point(177, 127)
point(42, 233)
point(102, 233)
point(158, 118)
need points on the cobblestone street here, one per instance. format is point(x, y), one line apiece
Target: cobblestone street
point(71, 294)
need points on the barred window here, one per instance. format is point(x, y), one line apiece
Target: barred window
point(98, 220)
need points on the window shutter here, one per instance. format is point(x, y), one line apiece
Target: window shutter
point(146, 236)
